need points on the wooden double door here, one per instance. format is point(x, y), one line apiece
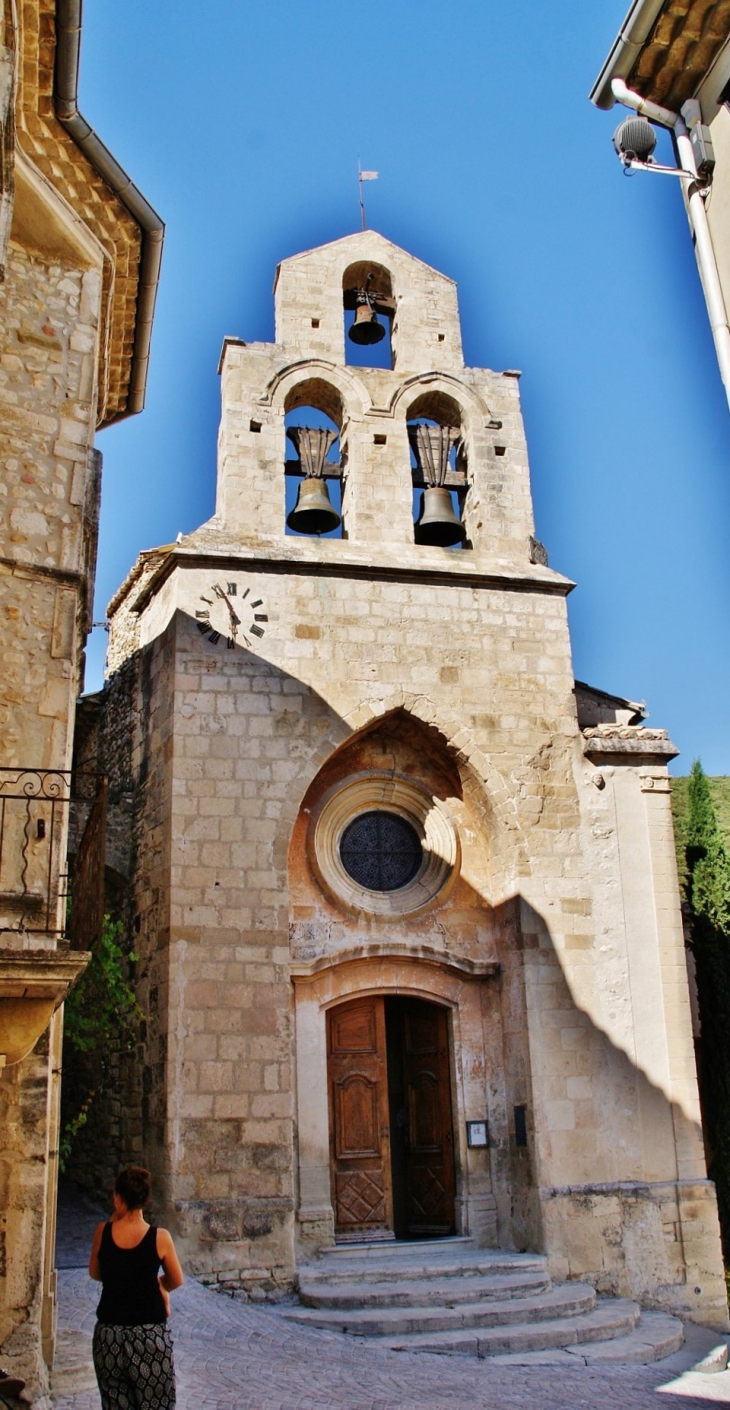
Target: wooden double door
point(391, 1127)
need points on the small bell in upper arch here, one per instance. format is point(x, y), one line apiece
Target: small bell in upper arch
point(366, 329)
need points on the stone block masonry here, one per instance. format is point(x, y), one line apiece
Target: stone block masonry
point(50, 488)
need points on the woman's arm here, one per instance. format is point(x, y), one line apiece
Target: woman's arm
point(173, 1275)
point(94, 1264)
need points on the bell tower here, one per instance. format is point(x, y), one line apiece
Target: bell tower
point(431, 453)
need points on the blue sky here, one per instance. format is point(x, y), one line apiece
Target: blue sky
point(242, 123)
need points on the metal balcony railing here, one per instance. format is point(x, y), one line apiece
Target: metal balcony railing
point(38, 894)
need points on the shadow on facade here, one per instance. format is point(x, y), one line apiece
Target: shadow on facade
point(588, 1159)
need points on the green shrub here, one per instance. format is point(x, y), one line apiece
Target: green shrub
point(708, 892)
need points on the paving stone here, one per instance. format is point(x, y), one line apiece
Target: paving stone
point(231, 1356)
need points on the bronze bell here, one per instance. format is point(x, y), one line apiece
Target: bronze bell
point(313, 512)
point(366, 329)
point(437, 523)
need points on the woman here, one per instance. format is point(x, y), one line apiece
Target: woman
point(132, 1342)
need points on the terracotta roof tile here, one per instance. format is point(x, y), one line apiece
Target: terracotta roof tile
point(685, 40)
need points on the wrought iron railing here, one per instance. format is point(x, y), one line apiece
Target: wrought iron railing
point(38, 894)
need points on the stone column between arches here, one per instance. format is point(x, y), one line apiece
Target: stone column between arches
point(462, 995)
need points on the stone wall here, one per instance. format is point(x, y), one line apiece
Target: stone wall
point(23, 1181)
point(51, 486)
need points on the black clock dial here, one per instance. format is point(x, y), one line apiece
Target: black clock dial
point(228, 616)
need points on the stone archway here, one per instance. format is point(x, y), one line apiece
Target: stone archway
point(319, 989)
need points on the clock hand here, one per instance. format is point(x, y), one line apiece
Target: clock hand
point(235, 621)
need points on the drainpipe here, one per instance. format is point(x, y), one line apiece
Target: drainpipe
point(65, 97)
point(697, 216)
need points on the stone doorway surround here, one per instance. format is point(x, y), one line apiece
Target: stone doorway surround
point(395, 970)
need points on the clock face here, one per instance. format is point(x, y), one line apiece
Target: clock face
point(229, 615)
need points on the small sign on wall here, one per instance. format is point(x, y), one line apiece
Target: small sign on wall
point(477, 1133)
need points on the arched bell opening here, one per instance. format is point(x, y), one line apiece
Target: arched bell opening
point(367, 295)
point(438, 470)
point(314, 419)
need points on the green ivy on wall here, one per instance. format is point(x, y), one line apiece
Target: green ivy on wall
point(101, 1019)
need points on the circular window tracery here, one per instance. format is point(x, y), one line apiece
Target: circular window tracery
point(381, 844)
point(381, 851)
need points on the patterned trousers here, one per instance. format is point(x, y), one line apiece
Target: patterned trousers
point(134, 1367)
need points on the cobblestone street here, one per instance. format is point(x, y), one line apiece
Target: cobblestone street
point(234, 1357)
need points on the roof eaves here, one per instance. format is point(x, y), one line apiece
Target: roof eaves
point(65, 97)
point(627, 46)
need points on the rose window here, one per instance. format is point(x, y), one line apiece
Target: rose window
point(381, 851)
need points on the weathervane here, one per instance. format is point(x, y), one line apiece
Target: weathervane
point(364, 176)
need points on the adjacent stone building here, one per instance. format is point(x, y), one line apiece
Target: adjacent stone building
point(79, 258)
point(403, 894)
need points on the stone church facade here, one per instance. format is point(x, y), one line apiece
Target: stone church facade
point(403, 894)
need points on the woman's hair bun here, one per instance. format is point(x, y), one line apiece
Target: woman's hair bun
point(133, 1186)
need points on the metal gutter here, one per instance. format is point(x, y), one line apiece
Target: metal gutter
point(65, 98)
point(632, 36)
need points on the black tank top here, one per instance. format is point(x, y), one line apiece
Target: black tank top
point(131, 1294)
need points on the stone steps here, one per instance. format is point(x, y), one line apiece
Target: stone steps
point(431, 1291)
point(447, 1297)
point(395, 1250)
point(439, 1262)
point(417, 1318)
point(606, 1320)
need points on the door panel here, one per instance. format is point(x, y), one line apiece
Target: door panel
point(430, 1181)
point(359, 1130)
point(356, 1118)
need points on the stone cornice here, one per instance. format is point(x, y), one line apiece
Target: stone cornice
point(476, 573)
point(630, 740)
point(303, 970)
point(32, 985)
point(40, 974)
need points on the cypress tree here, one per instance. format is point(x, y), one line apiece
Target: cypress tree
point(708, 892)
